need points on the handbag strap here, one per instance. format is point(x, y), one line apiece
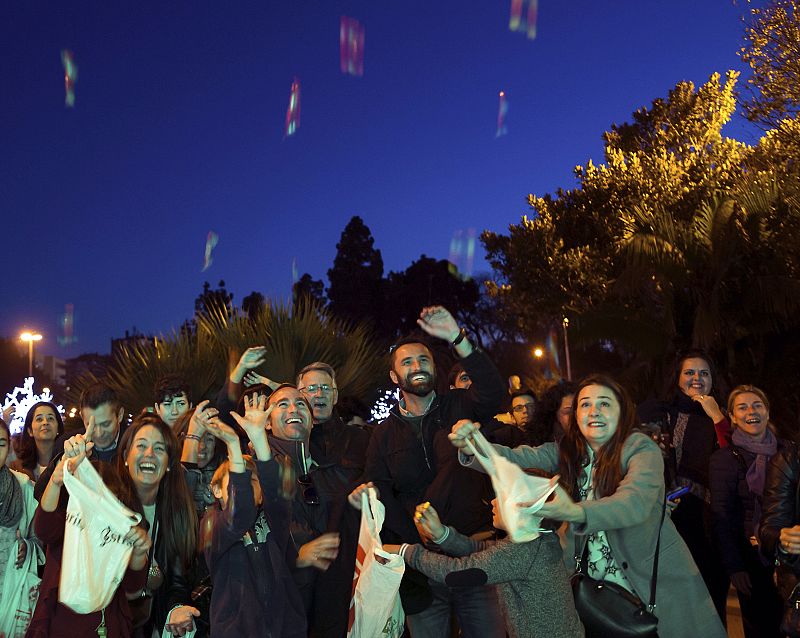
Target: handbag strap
point(581, 559)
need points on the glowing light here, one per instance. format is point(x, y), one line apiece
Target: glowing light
point(383, 405)
point(67, 321)
point(502, 128)
point(70, 76)
point(211, 241)
point(293, 112)
point(528, 24)
point(351, 46)
point(27, 336)
point(21, 400)
point(538, 352)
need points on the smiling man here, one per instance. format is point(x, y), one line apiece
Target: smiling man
point(410, 461)
point(101, 402)
point(328, 461)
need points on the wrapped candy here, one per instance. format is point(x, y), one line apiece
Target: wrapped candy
point(70, 76)
point(211, 242)
point(351, 46)
point(293, 112)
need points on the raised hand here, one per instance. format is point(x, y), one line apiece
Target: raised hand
point(429, 526)
point(320, 552)
point(250, 359)
point(201, 416)
point(256, 415)
point(710, 406)
point(438, 322)
point(253, 378)
point(354, 498)
point(76, 448)
point(461, 432)
point(222, 431)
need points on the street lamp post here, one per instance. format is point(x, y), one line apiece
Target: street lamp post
point(30, 337)
point(565, 323)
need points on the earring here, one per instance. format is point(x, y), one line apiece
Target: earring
point(126, 464)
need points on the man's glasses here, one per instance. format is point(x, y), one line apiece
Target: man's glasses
point(312, 389)
point(522, 408)
point(310, 496)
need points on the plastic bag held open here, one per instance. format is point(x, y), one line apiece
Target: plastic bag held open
point(95, 555)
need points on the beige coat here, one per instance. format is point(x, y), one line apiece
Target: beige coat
point(630, 518)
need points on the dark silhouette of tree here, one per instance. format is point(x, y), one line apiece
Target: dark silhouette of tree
point(211, 299)
point(356, 279)
point(13, 365)
point(311, 289)
point(252, 304)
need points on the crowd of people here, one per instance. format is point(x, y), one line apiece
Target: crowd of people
point(249, 501)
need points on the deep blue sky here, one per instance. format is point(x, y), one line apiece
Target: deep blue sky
point(178, 130)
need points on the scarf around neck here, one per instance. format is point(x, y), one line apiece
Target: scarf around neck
point(764, 450)
point(10, 498)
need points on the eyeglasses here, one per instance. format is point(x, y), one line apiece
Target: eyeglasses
point(310, 496)
point(525, 406)
point(312, 389)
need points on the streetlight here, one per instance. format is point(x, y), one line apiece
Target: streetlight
point(30, 338)
point(538, 352)
point(565, 324)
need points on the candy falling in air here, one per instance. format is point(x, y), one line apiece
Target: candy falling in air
point(293, 112)
point(502, 129)
point(351, 46)
point(70, 76)
point(524, 15)
point(211, 242)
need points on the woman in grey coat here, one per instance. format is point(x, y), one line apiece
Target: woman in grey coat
point(613, 502)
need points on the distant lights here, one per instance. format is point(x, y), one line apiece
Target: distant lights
point(20, 400)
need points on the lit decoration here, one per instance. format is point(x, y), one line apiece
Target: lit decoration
point(67, 321)
point(351, 46)
point(527, 23)
point(21, 400)
point(462, 253)
point(211, 241)
point(70, 76)
point(553, 360)
point(295, 275)
point(502, 129)
point(383, 405)
point(293, 112)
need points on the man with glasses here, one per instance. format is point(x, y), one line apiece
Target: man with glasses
point(409, 462)
point(324, 532)
point(523, 407)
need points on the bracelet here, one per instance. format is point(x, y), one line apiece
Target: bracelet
point(195, 437)
point(443, 537)
point(461, 335)
point(402, 550)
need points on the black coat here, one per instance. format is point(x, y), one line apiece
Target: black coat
point(780, 504)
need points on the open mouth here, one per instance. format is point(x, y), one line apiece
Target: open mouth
point(596, 424)
point(293, 420)
point(753, 421)
point(319, 404)
point(420, 377)
point(147, 468)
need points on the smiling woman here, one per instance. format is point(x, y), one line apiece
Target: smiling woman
point(150, 469)
point(35, 445)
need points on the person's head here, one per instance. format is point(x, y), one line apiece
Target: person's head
point(603, 418)
point(43, 424)
point(101, 402)
point(5, 442)
point(317, 381)
point(497, 516)
point(523, 407)
point(695, 373)
point(290, 418)
point(171, 396)
point(352, 410)
point(554, 409)
point(458, 377)
point(748, 408)
point(413, 367)
point(149, 463)
point(208, 452)
point(221, 480)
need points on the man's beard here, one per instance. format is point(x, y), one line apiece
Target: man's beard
point(419, 388)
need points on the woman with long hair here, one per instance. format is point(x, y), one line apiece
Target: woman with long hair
point(692, 426)
point(35, 445)
point(150, 469)
point(611, 495)
point(738, 474)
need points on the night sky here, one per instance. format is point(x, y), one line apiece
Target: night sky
point(178, 129)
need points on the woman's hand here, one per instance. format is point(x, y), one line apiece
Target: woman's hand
point(201, 416)
point(77, 447)
point(222, 431)
point(561, 507)
point(320, 552)
point(428, 524)
point(710, 406)
point(250, 359)
point(140, 541)
point(354, 498)
point(463, 430)
point(22, 550)
point(181, 620)
point(790, 539)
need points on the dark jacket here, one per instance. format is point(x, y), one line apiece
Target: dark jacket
point(338, 455)
point(254, 594)
point(780, 504)
point(733, 505)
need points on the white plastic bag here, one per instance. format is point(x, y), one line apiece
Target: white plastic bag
point(95, 555)
point(513, 488)
point(375, 609)
point(20, 591)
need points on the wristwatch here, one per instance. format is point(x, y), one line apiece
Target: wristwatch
point(461, 335)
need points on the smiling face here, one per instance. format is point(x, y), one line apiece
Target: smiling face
point(750, 414)
point(106, 423)
point(291, 417)
point(44, 426)
point(172, 407)
point(147, 458)
point(597, 414)
point(205, 449)
point(413, 369)
point(321, 392)
point(695, 377)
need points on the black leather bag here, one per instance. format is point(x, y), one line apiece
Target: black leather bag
point(610, 611)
